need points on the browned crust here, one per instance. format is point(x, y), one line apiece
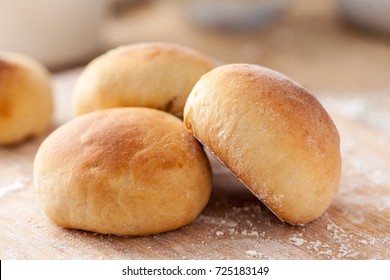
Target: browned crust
point(273, 134)
point(126, 171)
point(26, 103)
point(155, 74)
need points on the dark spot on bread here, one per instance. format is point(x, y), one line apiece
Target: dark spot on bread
point(169, 105)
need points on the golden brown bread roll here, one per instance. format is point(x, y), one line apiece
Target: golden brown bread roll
point(123, 171)
point(272, 134)
point(154, 75)
point(26, 101)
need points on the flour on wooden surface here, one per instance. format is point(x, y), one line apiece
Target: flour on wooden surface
point(14, 186)
point(297, 241)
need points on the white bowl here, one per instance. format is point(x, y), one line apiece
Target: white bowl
point(56, 32)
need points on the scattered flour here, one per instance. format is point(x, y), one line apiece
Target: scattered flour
point(297, 241)
point(222, 135)
point(229, 223)
point(18, 184)
point(250, 233)
point(252, 253)
point(342, 239)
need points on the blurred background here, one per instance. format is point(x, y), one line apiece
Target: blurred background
point(328, 46)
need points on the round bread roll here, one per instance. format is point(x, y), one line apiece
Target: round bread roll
point(272, 134)
point(154, 75)
point(123, 171)
point(26, 101)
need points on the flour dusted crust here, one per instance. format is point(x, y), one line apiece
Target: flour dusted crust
point(273, 135)
point(155, 75)
point(123, 171)
point(26, 103)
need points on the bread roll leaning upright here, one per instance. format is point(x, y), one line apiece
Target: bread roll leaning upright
point(123, 171)
point(272, 134)
point(156, 75)
point(26, 99)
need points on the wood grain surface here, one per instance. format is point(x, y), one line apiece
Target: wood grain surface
point(354, 86)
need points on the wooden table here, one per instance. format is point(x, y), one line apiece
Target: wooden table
point(348, 70)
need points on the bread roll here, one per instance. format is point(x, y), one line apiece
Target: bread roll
point(272, 134)
point(26, 101)
point(154, 75)
point(123, 171)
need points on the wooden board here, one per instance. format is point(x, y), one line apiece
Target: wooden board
point(234, 225)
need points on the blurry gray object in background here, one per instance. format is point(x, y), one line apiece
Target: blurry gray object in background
point(371, 14)
point(236, 15)
point(119, 6)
